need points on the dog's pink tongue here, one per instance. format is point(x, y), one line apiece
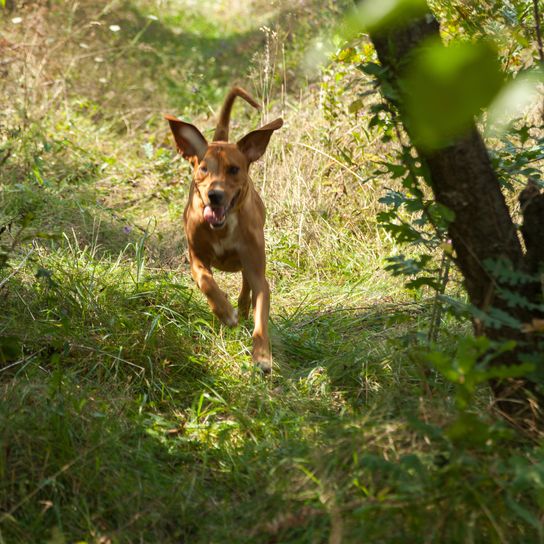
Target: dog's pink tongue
point(214, 215)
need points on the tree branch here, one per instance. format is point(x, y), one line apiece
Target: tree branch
point(462, 176)
point(537, 30)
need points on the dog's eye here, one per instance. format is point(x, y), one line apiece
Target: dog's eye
point(203, 168)
point(233, 170)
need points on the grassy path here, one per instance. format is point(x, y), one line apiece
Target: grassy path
point(128, 414)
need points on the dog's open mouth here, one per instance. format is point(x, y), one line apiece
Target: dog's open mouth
point(215, 216)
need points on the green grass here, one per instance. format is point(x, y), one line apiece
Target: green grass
point(129, 414)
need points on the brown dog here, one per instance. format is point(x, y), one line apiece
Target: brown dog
point(224, 219)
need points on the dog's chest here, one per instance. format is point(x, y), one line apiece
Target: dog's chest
point(229, 243)
point(224, 247)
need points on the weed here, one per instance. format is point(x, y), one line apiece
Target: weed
point(127, 413)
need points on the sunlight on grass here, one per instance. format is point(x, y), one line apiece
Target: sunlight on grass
point(127, 412)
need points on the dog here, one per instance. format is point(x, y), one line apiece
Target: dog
point(224, 219)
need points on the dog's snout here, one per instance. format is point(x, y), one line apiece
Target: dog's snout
point(216, 197)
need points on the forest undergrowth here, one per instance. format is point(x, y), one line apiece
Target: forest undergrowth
point(127, 412)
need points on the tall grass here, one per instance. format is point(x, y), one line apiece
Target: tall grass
point(127, 412)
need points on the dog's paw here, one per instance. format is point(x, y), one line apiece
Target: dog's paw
point(263, 362)
point(243, 313)
point(265, 366)
point(231, 319)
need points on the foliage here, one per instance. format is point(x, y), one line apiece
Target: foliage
point(127, 413)
point(451, 84)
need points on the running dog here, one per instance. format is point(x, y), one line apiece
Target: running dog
point(224, 219)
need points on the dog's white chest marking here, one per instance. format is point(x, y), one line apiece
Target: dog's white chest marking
point(230, 242)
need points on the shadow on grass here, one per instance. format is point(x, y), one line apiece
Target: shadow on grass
point(185, 61)
point(93, 317)
point(115, 418)
point(203, 56)
point(354, 347)
point(186, 453)
point(64, 204)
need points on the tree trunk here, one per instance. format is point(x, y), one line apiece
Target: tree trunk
point(464, 181)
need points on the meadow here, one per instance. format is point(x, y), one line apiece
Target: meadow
point(127, 412)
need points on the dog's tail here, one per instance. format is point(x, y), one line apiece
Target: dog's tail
point(222, 130)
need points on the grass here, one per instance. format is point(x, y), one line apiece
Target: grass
point(127, 413)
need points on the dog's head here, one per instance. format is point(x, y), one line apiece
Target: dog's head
point(221, 168)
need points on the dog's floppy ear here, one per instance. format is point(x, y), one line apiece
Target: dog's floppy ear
point(190, 142)
point(254, 144)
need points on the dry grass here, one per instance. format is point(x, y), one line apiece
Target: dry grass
point(127, 413)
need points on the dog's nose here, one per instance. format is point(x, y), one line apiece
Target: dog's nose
point(216, 197)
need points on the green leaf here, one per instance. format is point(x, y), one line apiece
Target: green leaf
point(513, 100)
point(377, 15)
point(513, 371)
point(10, 348)
point(377, 108)
point(371, 69)
point(349, 54)
point(396, 170)
point(441, 215)
point(423, 281)
point(516, 300)
point(503, 272)
point(400, 265)
point(443, 363)
point(376, 121)
point(445, 87)
point(496, 318)
point(355, 106)
point(403, 234)
point(523, 513)
point(38, 175)
point(469, 429)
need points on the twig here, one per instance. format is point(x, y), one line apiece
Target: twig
point(352, 172)
point(5, 157)
point(538, 33)
point(21, 264)
point(436, 317)
point(21, 361)
point(115, 357)
point(337, 525)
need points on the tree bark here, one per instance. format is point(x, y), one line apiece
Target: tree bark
point(531, 200)
point(463, 180)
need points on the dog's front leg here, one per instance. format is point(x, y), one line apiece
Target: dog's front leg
point(261, 342)
point(255, 274)
point(217, 299)
point(244, 299)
